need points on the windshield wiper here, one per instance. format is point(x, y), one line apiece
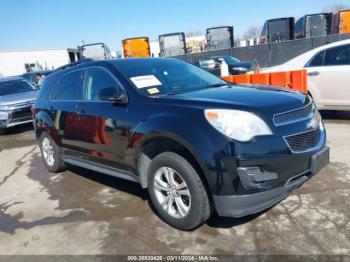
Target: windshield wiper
point(173, 93)
point(197, 89)
point(216, 85)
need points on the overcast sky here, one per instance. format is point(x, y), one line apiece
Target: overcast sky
point(31, 24)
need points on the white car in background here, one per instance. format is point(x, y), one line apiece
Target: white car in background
point(328, 70)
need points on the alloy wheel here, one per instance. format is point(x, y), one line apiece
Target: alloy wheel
point(172, 192)
point(48, 152)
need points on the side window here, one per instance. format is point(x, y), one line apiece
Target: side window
point(68, 87)
point(299, 28)
point(98, 82)
point(338, 56)
point(317, 60)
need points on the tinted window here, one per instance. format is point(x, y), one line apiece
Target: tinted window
point(316, 25)
point(338, 56)
point(230, 60)
point(299, 26)
point(166, 76)
point(264, 30)
point(96, 80)
point(278, 27)
point(68, 87)
point(317, 60)
point(15, 87)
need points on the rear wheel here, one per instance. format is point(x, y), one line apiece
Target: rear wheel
point(177, 192)
point(51, 154)
point(2, 131)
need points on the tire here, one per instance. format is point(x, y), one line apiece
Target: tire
point(2, 131)
point(51, 154)
point(185, 206)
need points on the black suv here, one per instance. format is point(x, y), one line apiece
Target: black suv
point(194, 141)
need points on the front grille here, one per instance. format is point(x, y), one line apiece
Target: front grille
point(24, 104)
point(295, 115)
point(305, 141)
point(22, 114)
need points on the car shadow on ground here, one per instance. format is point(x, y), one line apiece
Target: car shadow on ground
point(229, 222)
point(135, 189)
point(18, 129)
point(335, 115)
point(110, 181)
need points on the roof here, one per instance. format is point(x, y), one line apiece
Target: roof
point(281, 18)
point(90, 62)
point(133, 60)
point(40, 72)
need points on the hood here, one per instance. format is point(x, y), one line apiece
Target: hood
point(18, 98)
point(261, 100)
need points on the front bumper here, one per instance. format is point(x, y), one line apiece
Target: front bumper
point(15, 117)
point(247, 204)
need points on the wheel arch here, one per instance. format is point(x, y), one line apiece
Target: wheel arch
point(43, 123)
point(154, 145)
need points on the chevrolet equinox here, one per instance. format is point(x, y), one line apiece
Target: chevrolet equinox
point(196, 142)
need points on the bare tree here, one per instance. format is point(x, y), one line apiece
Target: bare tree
point(252, 32)
point(336, 7)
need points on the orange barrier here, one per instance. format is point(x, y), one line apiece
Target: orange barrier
point(299, 80)
point(280, 79)
point(261, 79)
point(296, 80)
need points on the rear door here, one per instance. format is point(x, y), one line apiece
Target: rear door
point(65, 98)
point(103, 128)
point(332, 76)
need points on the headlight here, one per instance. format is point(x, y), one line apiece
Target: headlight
point(238, 125)
point(4, 108)
point(242, 69)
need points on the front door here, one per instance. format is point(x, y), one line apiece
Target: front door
point(103, 128)
point(332, 76)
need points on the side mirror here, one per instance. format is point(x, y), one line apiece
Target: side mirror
point(111, 94)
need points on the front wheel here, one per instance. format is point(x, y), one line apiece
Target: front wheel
point(177, 192)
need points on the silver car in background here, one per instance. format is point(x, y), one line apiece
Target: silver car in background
point(17, 96)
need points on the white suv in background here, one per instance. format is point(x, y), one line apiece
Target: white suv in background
point(328, 69)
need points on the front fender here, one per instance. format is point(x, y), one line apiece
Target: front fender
point(315, 94)
point(193, 136)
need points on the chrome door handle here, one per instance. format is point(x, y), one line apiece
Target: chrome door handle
point(314, 73)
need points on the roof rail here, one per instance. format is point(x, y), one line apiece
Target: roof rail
point(82, 61)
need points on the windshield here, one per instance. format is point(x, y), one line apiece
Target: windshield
point(15, 87)
point(167, 76)
point(230, 59)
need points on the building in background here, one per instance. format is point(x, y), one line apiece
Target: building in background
point(21, 61)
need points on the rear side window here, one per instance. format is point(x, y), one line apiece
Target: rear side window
point(95, 81)
point(68, 87)
point(317, 60)
point(299, 26)
point(338, 56)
